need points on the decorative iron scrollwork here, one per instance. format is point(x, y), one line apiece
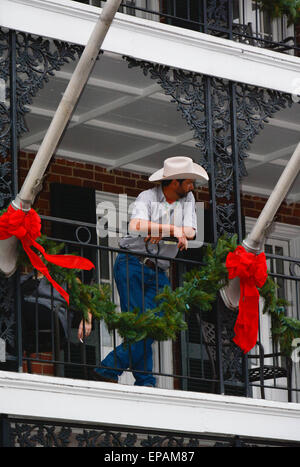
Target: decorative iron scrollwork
point(93, 438)
point(37, 434)
point(37, 59)
point(226, 117)
point(254, 106)
point(44, 433)
point(218, 13)
point(27, 435)
point(7, 314)
point(4, 111)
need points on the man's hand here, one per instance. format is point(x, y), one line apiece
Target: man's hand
point(182, 243)
point(181, 237)
point(150, 239)
point(87, 328)
point(155, 232)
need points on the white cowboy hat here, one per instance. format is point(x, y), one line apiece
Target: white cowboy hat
point(179, 167)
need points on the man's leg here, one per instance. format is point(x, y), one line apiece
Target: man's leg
point(133, 285)
point(144, 360)
point(127, 273)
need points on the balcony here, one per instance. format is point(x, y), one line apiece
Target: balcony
point(238, 20)
point(138, 126)
point(202, 359)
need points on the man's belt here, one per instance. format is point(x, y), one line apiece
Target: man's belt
point(147, 262)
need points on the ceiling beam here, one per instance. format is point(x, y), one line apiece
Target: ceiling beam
point(271, 157)
point(119, 87)
point(141, 154)
point(132, 131)
point(110, 126)
point(104, 84)
point(278, 162)
point(154, 91)
point(98, 160)
point(91, 114)
point(146, 170)
point(148, 151)
point(74, 121)
point(285, 124)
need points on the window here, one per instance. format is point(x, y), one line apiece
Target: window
point(134, 7)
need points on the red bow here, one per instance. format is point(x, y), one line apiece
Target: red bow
point(252, 271)
point(27, 227)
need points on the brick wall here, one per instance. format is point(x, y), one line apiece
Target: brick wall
point(123, 181)
point(288, 213)
point(87, 175)
point(40, 367)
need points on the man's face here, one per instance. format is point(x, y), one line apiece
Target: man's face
point(185, 187)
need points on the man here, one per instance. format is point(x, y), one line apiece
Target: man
point(168, 210)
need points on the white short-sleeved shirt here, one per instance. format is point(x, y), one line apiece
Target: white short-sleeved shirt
point(151, 205)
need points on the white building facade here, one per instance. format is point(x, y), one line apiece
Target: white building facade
point(218, 82)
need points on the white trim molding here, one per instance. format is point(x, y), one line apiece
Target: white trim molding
point(279, 229)
point(61, 399)
point(156, 42)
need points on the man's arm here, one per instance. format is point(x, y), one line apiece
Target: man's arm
point(154, 231)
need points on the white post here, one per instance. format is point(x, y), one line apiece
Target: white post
point(26, 196)
point(255, 239)
point(254, 242)
point(67, 104)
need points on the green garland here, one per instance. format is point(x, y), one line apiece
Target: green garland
point(167, 319)
point(279, 8)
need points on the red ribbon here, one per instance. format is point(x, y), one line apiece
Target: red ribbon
point(252, 271)
point(26, 226)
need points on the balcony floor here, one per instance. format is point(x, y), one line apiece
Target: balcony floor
point(60, 399)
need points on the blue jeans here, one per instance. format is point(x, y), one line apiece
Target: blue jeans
point(138, 356)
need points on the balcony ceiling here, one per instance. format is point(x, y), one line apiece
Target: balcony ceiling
point(123, 119)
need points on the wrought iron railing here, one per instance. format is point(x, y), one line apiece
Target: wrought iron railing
point(202, 359)
point(238, 20)
point(17, 432)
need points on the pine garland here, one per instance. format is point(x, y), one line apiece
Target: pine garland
point(167, 319)
point(279, 8)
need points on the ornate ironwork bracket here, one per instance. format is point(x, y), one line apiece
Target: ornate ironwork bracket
point(224, 132)
point(34, 60)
